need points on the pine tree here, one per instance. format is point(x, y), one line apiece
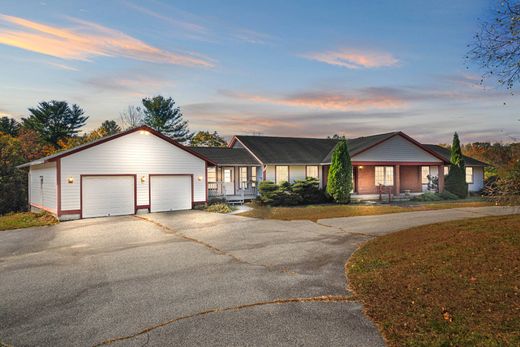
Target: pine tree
point(456, 180)
point(162, 115)
point(339, 183)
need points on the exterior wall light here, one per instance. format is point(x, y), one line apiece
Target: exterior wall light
point(70, 180)
point(360, 167)
point(143, 179)
point(199, 178)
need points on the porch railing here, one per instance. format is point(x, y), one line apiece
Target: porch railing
point(222, 189)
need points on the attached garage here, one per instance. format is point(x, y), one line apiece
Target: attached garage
point(139, 170)
point(104, 196)
point(170, 192)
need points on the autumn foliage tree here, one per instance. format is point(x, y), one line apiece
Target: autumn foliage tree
point(207, 139)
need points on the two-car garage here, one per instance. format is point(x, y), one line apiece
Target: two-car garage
point(137, 171)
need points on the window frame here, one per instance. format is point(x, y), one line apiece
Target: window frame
point(472, 174)
point(317, 171)
point(276, 170)
point(212, 170)
point(253, 176)
point(424, 179)
point(230, 175)
point(243, 180)
point(385, 168)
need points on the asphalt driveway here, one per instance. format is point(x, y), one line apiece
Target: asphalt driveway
point(191, 278)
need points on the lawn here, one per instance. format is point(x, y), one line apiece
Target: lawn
point(448, 284)
point(25, 220)
point(315, 212)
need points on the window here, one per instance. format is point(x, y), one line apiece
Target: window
point(282, 174)
point(469, 175)
point(212, 174)
point(243, 177)
point(312, 171)
point(384, 175)
point(425, 172)
point(228, 175)
point(253, 176)
point(446, 170)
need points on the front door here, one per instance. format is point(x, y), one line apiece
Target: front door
point(228, 180)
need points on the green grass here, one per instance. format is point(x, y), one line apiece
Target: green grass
point(25, 220)
point(447, 284)
point(315, 212)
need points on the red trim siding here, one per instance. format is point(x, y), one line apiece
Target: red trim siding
point(58, 188)
point(150, 188)
point(64, 212)
point(104, 175)
point(391, 163)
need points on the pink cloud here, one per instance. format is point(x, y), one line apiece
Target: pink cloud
point(354, 59)
point(87, 40)
point(334, 101)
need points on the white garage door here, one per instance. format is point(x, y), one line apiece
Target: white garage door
point(170, 193)
point(107, 196)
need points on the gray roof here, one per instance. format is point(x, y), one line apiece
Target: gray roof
point(446, 154)
point(227, 156)
point(303, 150)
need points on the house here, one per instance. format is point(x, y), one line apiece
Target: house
point(141, 170)
point(390, 163)
point(136, 170)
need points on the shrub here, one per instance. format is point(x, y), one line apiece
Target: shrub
point(286, 194)
point(456, 181)
point(219, 208)
point(446, 195)
point(309, 190)
point(427, 197)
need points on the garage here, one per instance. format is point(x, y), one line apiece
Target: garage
point(170, 192)
point(103, 196)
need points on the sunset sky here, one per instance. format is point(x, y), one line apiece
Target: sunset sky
point(298, 68)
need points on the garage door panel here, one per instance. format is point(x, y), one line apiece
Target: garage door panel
point(107, 196)
point(170, 193)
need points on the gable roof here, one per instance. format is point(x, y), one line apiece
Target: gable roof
point(82, 147)
point(302, 150)
point(286, 150)
point(227, 156)
point(445, 153)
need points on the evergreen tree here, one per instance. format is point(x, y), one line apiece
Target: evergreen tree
point(207, 139)
point(162, 115)
point(9, 126)
point(55, 121)
point(456, 179)
point(109, 127)
point(339, 183)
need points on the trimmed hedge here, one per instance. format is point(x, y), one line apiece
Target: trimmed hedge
point(286, 194)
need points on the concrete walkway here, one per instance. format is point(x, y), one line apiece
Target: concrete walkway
point(192, 278)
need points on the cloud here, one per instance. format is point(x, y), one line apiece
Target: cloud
point(339, 101)
point(354, 59)
point(129, 83)
point(86, 40)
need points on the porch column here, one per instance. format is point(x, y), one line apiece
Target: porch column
point(440, 173)
point(397, 179)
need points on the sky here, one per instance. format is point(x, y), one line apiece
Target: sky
point(282, 68)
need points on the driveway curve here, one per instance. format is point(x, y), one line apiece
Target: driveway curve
point(192, 278)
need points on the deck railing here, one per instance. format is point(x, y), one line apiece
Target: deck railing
point(222, 189)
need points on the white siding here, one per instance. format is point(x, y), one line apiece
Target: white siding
point(43, 195)
point(136, 153)
point(478, 179)
point(296, 173)
point(396, 149)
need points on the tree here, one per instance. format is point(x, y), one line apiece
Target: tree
point(339, 183)
point(207, 139)
point(13, 181)
point(496, 48)
point(456, 179)
point(162, 115)
point(109, 127)
point(507, 189)
point(9, 126)
point(55, 120)
point(132, 117)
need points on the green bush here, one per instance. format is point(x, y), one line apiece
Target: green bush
point(309, 190)
point(456, 181)
point(219, 208)
point(287, 194)
point(427, 197)
point(446, 195)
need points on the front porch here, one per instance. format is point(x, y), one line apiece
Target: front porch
point(236, 184)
